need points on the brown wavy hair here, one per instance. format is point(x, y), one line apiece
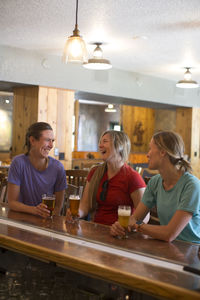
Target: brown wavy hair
point(35, 130)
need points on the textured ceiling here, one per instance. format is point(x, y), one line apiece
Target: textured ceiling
point(171, 28)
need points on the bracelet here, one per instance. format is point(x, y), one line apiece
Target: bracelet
point(140, 223)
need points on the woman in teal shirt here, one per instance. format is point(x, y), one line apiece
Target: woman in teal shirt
point(174, 191)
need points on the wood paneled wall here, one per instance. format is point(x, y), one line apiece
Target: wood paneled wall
point(188, 126)
point(184, 126)
point(43, 104)
point(76, 113)
point(25, 112)
point(195, 142)
point(130, 118)
point(56, 106)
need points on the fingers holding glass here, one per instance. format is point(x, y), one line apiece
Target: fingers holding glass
point(124, 213)
point(49, 201)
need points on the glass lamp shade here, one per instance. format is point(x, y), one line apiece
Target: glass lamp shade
point(98, 62)
point(75, 50)
point(187, 75)
point(98, 53)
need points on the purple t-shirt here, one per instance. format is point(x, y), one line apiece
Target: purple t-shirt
point(33, 183)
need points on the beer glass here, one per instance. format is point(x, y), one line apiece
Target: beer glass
point(124, 213)
point(74, 201)
point(49, 200)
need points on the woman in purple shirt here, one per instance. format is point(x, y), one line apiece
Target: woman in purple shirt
point(36, 173)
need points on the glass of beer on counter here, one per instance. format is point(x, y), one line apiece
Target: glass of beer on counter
point(49, 200)
point(74, 201)
point(124, 212)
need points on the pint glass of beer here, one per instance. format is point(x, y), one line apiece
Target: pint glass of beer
point(124, 213)
point(49, 200)
point(74, 201)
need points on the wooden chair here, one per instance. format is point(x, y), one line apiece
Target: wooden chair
point(87, 166)
point(3, 188)
point(77, 177)
point(154, 220)
point(4, 170)
point(145, 172)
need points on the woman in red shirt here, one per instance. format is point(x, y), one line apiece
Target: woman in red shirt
point(112, 183)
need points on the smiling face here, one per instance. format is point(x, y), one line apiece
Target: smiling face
point(43, 145)
point(155, 156)
point(106, 148)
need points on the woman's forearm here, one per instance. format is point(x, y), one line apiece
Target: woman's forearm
point(159, 232)
point(18, 206)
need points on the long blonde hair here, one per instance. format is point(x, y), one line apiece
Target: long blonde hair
point(121, 143)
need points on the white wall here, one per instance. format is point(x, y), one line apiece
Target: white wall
point(30, 67)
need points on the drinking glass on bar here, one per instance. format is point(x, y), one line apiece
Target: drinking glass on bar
point(124, 212)
point(49, 200)
point(74, 201)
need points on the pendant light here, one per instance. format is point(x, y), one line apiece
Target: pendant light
point(75, 48)
point(187, 82)
point(97, 62)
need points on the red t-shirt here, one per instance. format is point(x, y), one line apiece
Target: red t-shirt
point(120, 187)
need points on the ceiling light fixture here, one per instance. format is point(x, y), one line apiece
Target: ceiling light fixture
point(110, 108)
point(75, 48)
point(97, 62)
point(187, 82)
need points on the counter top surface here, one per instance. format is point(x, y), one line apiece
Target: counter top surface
point(139, 262)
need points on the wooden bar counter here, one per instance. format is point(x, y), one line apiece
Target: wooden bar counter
point(139, 263)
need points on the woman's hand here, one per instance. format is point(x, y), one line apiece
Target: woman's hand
point(41, 210)
point(117, 229)
point(68, 216)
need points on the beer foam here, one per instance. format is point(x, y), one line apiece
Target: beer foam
point(74, 197)
point(124, 212)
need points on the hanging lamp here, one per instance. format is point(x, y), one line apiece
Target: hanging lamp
point(97, 62)
point(187, 82)
point(75, 48)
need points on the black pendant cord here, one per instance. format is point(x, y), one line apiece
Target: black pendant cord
point(76, 13)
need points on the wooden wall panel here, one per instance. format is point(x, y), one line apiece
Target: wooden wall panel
point(43, 104)
point(188, 126)
point(56, 106)
point(132, 118)
point(64, 128)
point(184, 126)
point(52, 104)
point(61, 120)
point(76, 113)
point(25, 111)
point(195, 142)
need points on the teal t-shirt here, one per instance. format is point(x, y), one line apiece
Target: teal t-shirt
point(185, 195)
